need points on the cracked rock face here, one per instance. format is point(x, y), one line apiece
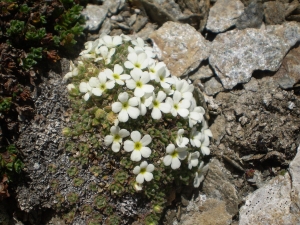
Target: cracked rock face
point(224, 14)
point(275, 203)
point(236, 54)
point(181, 47)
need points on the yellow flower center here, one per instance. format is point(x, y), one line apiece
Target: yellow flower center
point(174, 154)
point(116, 76)
point(143, 170)
point(138, 145)
point(139, 84)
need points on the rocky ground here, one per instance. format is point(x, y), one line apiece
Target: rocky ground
point(244, 62)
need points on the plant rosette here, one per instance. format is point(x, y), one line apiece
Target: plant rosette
point(147, 116)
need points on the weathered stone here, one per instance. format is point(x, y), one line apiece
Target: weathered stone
point(161, 11)
point(223, 15)
point(213, 86)
point(277, 202)
point(252, 16)
point(94, 15)
point(291, 7)
point(289, 72)
point(274, 12)
point(252, 85)
point(203, 73)
point(105, 27)
point(294, 170)
point(218, 129)
point(114, 6)
point(147, 30)
point(131, 20)
point(213, 211)
point(140, 22)
point(199, 8)
point(180, 46)
point(237, 53)
point(217, 185)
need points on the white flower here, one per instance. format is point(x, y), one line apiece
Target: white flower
point(153, 67)
point(100, 84)
point(143, 172)
point(174, 156)
point(199, 175)
point(70, 87)
point(140, 46)
point(139, 82)
point(125, 37)
point(87, 89)
point(73, 71)
point(178, 106)
point(204, 145)
point(90, 48)
point(193, 159)
point(111, 42)
point(185, 89)
point(126, 107)
point(137, 186)
point(158, 106)
point(136, 61)
point(116, 137)
point(180, 140)
point(138, 146)
point(196, 115)
point(117, 75)
point(195, 137)
point(105, 54)
point(145, 102)
point(162, 76)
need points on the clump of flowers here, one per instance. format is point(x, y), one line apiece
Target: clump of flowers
point(149, 119)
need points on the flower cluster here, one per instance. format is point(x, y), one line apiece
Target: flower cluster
point(142, 89)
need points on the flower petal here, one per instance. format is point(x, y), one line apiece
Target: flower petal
point(140, 178)
point(118, 69)
point(108, 140)
point(128, 146)
point(167, 160)
point(170, 148)
point(146, 140)
point(133, 112)
point(148, 176)
point(116, 107)
point(135, 136)
point(175, 163)
point(145, 151)
point(156, 114)
point(116, 147)
point(124, 133)
point(123, 116)
point(136, 170)
point(150, 168)
point(123, 97)
point(136, 156)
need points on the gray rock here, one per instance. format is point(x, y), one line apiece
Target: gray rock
point(198, 9)
point(224, 14)
point(237, 53)
point(203, 73)
point(114, 5)
point(94, 15)
point(181, 47)
point(274, 12)
point(161, 11)
point(213, 211)
point(289, 72)
point(277, 202)
point(294, 170)
point(213, 86)
point(252, 85)
point(218, 129)
point(218, 186)
point(131, 20)
point(140, 22)
point(105, 27)
point(147, 30)
point(252, 16)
